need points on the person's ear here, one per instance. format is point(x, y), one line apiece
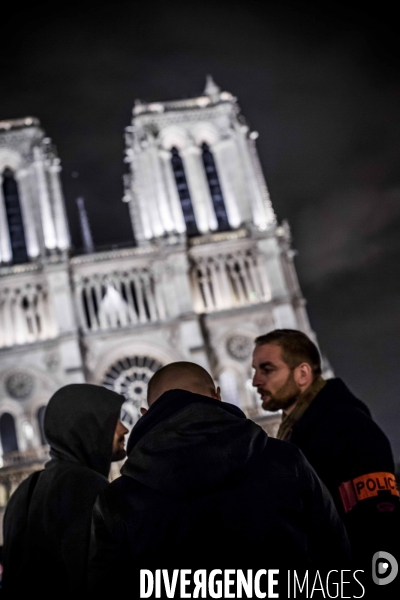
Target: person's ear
point(217, 394)
point(303, 375)
point(143, 410)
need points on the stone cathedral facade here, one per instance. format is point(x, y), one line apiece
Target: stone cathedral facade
point(211, 269)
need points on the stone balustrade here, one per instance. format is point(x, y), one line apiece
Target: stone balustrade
point(25, 313)
point(118, 295)
point(228, 278)
point(118, 299)
point(13, 459)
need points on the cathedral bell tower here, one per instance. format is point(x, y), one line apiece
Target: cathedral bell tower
point(194, 168)
point(39, 349)
point(33, 223)
point(196, 181)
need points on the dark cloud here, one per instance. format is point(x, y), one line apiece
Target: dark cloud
point(321, 85)
point(348, 230)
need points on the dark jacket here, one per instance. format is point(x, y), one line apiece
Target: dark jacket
point(46, 546)
point(341, 441)
point(205, 487)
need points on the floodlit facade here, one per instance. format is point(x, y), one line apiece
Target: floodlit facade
point(210, 270)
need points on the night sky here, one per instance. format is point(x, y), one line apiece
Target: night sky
point(321, 86)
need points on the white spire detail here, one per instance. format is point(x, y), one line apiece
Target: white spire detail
point(211, 88)
point(85, 227)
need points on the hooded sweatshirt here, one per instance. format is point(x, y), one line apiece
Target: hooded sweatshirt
point(47, 520)
point(204, 487)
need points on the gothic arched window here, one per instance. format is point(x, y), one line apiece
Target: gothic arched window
point(184, 194)
point(8, 434)
point(215, 188)
point(14, 217)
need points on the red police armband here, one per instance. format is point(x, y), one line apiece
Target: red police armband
point(366, 486)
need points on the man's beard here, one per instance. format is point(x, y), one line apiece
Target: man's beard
point(118, 454)
point(284, 398)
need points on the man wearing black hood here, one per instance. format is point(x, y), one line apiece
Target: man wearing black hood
point(47, 520)
point(203, 488)
point(339, 438)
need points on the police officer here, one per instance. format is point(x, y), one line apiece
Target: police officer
point(336, 433)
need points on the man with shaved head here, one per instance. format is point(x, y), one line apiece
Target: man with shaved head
point(181, 375)
point(204, 487)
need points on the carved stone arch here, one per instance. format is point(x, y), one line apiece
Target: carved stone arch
point(205, 132)
point(11, 406)
point(175, 136)
point(12, 160)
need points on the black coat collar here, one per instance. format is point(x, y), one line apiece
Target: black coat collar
point(334, 397)
point(166, 406)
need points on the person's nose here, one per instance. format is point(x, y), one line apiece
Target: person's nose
point(256, 379)
point(125, 430)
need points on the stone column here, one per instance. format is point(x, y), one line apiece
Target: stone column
point(261, 208)
point(259, 280)
point(247, 285)
point(28, 214)
point(199, 190)
point(152, 227)
point(228, 296)
point(49, 232)
point(60, 218)
point(265, 203)
point(137, 278)
point(5, 245)
point(8, 331)
point(222, 152)
point(90, 305)
point(122, 305)
point(214, 282)
point(176, 284)
point(205, 282)
point(131, 305)
point(236, 282)
point(60, 300)
point(22, 316)
point(160, 199)
point(96, 285)
point(78, 293)
point(198, 302)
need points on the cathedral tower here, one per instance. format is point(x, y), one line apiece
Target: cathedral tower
point(39, 348)
point(33, 222)
point(195, 177)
